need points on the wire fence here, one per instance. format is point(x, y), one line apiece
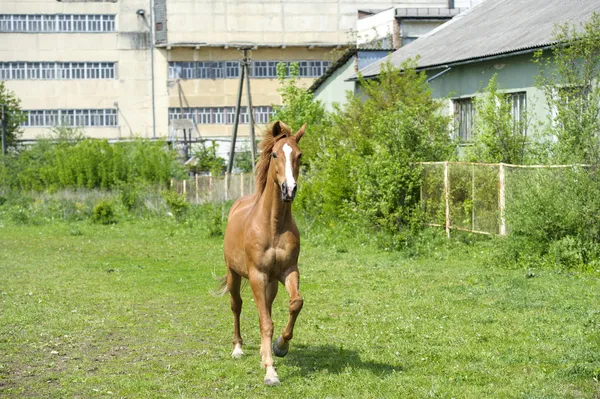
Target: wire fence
point(454, 195)
point(473, 196)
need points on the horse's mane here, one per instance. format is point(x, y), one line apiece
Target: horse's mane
point(266, 148)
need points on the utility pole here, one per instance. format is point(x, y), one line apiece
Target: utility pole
point(245, 71)
point(4, 117)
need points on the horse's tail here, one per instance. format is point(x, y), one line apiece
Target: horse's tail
point(222, 289)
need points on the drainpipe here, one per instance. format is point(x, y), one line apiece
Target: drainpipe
point(150, 10)
point(439, 74)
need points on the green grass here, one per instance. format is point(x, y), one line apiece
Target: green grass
point(124, 310)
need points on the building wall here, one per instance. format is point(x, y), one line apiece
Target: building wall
point(273, 21)
point(515, 74)
point(128, 47)
point(335, 88)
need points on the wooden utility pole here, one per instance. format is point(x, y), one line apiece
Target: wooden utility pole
point(244, 72)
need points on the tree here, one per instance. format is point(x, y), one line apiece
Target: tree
point(570, 79)
point(208, 160)
point(498, 136)
point(13, 114)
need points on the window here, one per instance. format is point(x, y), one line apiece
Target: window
point(315, 68)
point(56, 23)
point(188, 70)
point(204, 116)
point(174, 70)
point(218, 116)
point(463, 118)
point(18, 70)
point(78, 70)
point(232, 69)
point(259, 69)
point(71, 117)
point(303, 65)
point(204, 70)
point(64, 70)
point(518, 102)
point(174, 114)
point(64, 23)
point(107, 70)
point(4, 71)
point(261, 115)
point(218, 70)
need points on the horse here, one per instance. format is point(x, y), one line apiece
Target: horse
point(262, 243)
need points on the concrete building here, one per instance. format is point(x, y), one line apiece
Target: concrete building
point(495, 37)
point(380, 32)
point(124, 68)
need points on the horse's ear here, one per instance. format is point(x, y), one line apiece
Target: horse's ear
point(300, 133)
point(279, 127)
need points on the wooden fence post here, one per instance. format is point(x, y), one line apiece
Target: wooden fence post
point(197, 192)
point(501, 199)
point(447, 197)
point(242, 184)
point(184, 187)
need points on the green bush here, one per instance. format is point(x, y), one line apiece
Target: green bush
point(104, 213)
point(66, 160)
point(176, 203)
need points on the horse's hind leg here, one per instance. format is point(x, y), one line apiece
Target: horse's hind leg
point(233, 284)
point(291, 280)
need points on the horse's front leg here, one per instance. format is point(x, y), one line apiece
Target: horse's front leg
point(259, 282)
point(291, 280)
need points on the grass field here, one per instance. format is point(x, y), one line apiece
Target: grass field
point(124, 311)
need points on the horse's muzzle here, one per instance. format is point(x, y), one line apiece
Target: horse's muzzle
point(288, 192)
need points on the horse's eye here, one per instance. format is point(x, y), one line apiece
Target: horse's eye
point(299, 156)
point(274, 155)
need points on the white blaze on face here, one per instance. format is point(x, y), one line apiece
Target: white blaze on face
point(289, 175)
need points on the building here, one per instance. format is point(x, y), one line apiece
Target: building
point(380, 32)
point(120, 68)
point(494, 37)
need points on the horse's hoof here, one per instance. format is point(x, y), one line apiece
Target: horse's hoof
point(271, 381)
point(237, 352)
point(280, 349)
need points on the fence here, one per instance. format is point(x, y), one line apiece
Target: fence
point(473, 196)
point(454, 195)
point(203, 189)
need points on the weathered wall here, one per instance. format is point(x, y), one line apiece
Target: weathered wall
point(128, 47)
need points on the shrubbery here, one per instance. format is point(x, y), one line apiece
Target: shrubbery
point(67, 160)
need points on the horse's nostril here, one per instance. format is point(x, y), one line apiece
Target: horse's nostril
point(294, 191)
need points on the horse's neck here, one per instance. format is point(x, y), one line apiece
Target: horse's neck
point(274, 212)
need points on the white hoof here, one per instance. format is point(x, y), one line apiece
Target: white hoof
point(271, 378)
point(237, 352)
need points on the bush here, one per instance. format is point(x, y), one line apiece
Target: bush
point(176, 202)
point(104, 213)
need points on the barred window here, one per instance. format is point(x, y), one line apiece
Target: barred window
point(78, 70)
point(71, 117)
point(174, 114)
point(107, 70)
point(4, 71)
point(5, 23)
point(79, 23)
point(261, 115)
point(221, 115)
point(18, 70)
point(33, 70)
point(303, 65)
point(92, 70)
point(204, 116)
point(56, 23)
point(204, 70)
point(65, 23)
point(218, 116)
point(50, 23)
point(218, 70)
point(232, 69)
point(95, 23)
point(175, 70)
point(188, 70)
point(82, 117)
point(34, 23)
point(51, 117)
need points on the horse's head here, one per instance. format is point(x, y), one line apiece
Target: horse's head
point(285, 159)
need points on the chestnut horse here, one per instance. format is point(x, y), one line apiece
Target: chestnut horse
point(262, 243)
